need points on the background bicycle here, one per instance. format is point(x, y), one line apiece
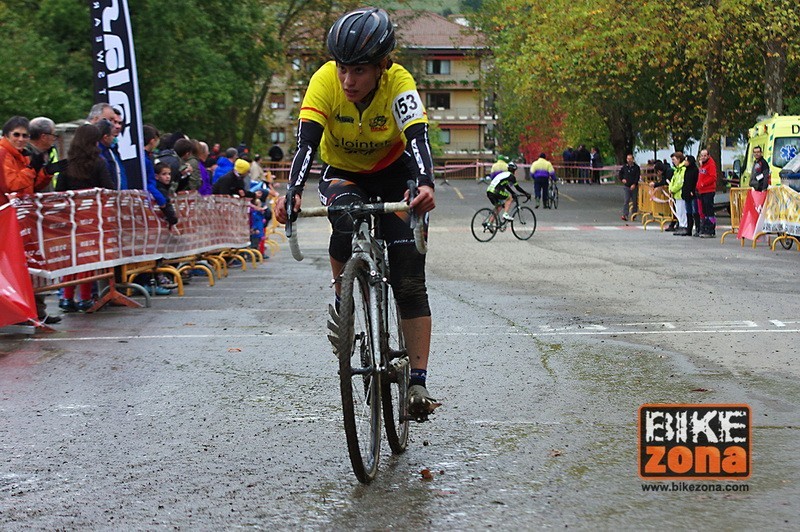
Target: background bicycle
point(552, 194)
point(486, 222)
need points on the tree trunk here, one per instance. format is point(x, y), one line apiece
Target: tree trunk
point(620, 129)
point(774, 75)
point(710, 139)
point(254, 114)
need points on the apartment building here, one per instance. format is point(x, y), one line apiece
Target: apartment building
point(449, 63)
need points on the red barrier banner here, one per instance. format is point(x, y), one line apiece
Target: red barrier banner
point(16, 292)
point(84, 230)
point(751, 214)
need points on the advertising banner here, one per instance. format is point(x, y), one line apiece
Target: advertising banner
point(16, 292)
point(116, 81)
point(84, 230)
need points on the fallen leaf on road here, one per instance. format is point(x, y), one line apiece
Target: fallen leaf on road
point(426, 474)
point(556, 452)
point(234, 350)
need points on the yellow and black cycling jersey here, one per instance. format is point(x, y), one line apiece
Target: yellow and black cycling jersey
point(367, 141)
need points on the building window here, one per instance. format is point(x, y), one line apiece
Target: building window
point(297, 64)
point(277, 135)
point(731, 142)
point(277, 101)
point(438, 100)
point(437, 66)
point(444, 136)
point(296, 97)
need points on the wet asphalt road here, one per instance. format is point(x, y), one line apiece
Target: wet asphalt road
point(220, 409)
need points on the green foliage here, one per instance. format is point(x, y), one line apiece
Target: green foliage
point(35, 78)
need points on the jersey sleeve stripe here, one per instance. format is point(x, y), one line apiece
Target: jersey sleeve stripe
point(314, 110)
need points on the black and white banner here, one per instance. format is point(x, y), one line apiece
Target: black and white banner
point(116, 81)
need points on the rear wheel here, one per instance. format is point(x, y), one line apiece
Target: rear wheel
point(786, 242)
point(394, 391)
point(484, 225)
point(554, 196)
point(524, 223)
point(358, 372)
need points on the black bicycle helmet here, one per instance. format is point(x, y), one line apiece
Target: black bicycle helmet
point(512, 166)
point(361, 37)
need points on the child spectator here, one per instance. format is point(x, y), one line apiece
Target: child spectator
point(163, 181)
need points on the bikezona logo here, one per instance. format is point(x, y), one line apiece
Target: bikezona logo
point(700, 442)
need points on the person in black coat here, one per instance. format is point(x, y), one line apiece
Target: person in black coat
point(232, 183)
point(84, 167)
point(689, 195)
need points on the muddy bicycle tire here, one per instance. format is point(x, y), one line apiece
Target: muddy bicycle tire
point(394, 388)
point(359, 379)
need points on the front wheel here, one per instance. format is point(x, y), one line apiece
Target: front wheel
point(554, 197)
point(359, 379)
point(484, 225)
point(394, 387)
point(524, 223)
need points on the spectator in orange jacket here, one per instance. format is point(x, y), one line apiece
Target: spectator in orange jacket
point(706, 187)
point(16, 173)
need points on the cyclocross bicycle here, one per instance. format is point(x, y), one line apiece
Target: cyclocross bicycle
point(374, 369)
point(486, 223)
point(552, 194)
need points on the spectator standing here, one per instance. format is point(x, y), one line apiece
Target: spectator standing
point(256, 170)
point(17, 175)
point(689, 196)
point(596, 163)
point(42, 149)
point(151, 139)
point(542, 172)
point(706, 187)
point(760, 173)
point(663, 177)
point(205, 173)
point(114, 164)
point(629, 176)
point(569, 162)
point(232, 183)
point(110, 150)
point(257, 220)
point(211, 160)
point(275, 153)
point(163, 174)
point(676, 189)
point(187, 179)
point(582, 160)
point(225, 164)
point(85, 168)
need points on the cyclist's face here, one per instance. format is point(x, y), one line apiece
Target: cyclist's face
point(358, 81)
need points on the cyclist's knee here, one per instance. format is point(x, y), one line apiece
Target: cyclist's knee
point(407, 269)
point(411, 295)
point(340, 246)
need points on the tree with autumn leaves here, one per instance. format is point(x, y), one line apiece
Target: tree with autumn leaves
point(649, 72)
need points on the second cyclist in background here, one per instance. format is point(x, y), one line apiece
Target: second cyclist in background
point(500, 192)
point(542, 172)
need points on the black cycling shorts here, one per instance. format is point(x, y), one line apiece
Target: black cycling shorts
point(496, 198)
point(406, 264)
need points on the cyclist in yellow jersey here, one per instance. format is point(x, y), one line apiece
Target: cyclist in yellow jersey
point(366, 117)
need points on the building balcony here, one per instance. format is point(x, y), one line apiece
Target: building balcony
point(459, 114)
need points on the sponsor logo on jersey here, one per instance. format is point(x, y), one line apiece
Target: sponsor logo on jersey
point(345, 119)
point(378, 124)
